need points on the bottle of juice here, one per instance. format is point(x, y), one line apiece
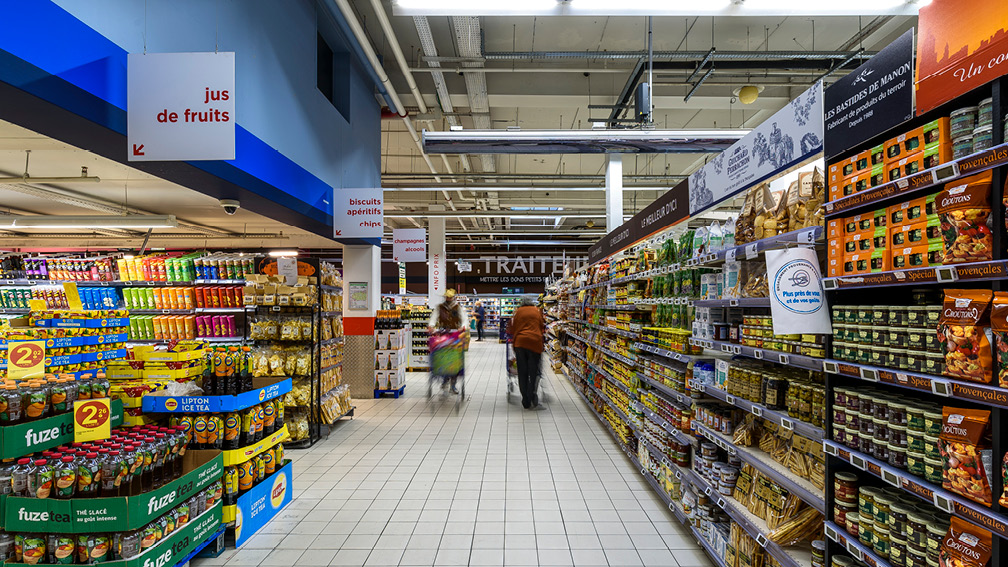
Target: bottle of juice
point(88, 476)
point(11, 410)
point(269, 418)
point(232, 431)
point(64, 478)
point(230, 485)
point(279, 412)
point(246, 373)
point(20, 475)
point(61, 549)
point(40, 481)
point(111, 474)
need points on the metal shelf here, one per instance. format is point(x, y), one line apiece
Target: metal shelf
point(940, 385)
point(802, 428)
point(853, 546)
point(749, 251)
point(677, 356)
point(670, 429)
point(762, 462)
point(944, 500)
point(796, 360)
point(972, 272)
point(678, 397)
point(738, 302)
point(332, 341)
point(626, 389)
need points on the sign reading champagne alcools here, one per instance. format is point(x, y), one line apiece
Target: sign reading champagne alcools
point(409, 245)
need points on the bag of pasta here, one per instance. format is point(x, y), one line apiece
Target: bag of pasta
point(746, 218)
point(763, 207)
point(964, 209)
point(799, 195)
point(964, 332)
point(816, 205)
point(964, 443)
point(965, 545)
point(999, 328)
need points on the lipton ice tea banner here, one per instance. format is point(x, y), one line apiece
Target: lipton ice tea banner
point(961, 46)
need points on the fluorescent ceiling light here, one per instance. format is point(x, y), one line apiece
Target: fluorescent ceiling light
point(655, 8)
point(579, 141)
point(283, 253)
point(96, 221)
point(542, 189)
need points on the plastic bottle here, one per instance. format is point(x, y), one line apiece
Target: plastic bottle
point(246, 373)
point(230, 485)
point(160, 459)
point(88, 476)
point(132, 461)
point(20, 474)
point(40, 481)
point(111, 474)
point(279, 413)
point(61, 549)
point(260, 418)
point(11, 409)
point(232, 430)
point(183, 445)
point(6, 546)
point(64, 478)
point(269, 418)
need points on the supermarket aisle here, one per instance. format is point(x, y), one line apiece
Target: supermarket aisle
point(415, 482)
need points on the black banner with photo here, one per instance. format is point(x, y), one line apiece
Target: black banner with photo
point(667, 210)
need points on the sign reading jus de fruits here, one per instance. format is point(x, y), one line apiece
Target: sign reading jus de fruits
point(789, 137)
point(180, 106)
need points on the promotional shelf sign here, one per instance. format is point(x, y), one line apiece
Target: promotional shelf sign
point(92, 420)
point(25, 359)
point(873, 98)
point(180, 106)
point(961, 46)
point(789, 137)
point(797, 299)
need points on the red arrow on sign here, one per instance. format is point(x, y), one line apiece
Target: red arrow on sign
point(138, 150)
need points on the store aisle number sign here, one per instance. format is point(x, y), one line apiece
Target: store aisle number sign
point(92, 420)
point(180, 106)
point(25, 359)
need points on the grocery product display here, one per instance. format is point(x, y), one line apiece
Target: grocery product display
point(417, 318)
point(391, 352)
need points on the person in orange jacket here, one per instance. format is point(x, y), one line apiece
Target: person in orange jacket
point(527, 329)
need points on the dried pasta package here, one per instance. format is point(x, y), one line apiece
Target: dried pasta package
point(816, 207)
point(744, 223)
point(260, 362)
point(965, 545)
point(999, 328)
point(763, 207)
point(964, 443)
point(302, 363)
point(261, 328)
point(964, 208)
point(276, 363)
point(290, 330)
point(756, 280)
point(964, 332)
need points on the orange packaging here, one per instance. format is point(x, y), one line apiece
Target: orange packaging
point(227, 297)
point(158, 328)
point(936, 132)
point(848, 186)
point(918, 256)
point(200, 429)
point(862, 181)
point(835, 248)
point(835, 191)
point(881, 261)
point(858, 243)
point(855, 264)
point(863, 162)
point(935, 155)
point(848, 166)
point(159, 298)
point(965, 545)
point(858, 224)
point(187, 298)
point(904, 145)
point(835, 174)
point(880, 239)
point(965, 448)
point(964, 207)
point(215, 297)
point(190, 327)
point(999, 325)
point(962, 330)
point(236, 295)
point(170, 295)
point(198, 297)
point(178, 324)
point(877, 175)
point(834, 228)
point(905, 167)
point(834, 266)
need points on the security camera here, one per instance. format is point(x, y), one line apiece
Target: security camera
point(231, 206)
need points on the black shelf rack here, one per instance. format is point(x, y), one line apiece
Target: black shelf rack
point(891, 288)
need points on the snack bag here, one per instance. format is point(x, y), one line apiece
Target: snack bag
point(799, 195)
point(964, 443)
point(999, 327)
point(965, 211)
point(816, 211)
point(964, 332)
point(1004, 481)
point(965, 545)
point(763, 207)
point(746, 218)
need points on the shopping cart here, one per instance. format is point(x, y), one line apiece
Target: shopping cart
point(511, 363)
point(447, 361)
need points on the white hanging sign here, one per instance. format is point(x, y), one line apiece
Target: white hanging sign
point(358, 213)
point(409, 245)
point(797, 299)
point(180, 106)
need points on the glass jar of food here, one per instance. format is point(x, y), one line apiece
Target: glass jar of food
point(916, 530)
point(933, 471)
point(845, 488)
point(915, 417)
point(915, 463)
point(883, 503)
point(853, 524)
point(898, 436)
point(931, 448)
point(933, 422)
point(897, 456)
point(897, 413)
point(898, 513)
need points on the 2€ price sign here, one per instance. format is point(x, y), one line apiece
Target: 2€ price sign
point(26, 359)
point(92, 420)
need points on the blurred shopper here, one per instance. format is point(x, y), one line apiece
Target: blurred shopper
point(480, 316)
point(527, 329)
point(447, 317)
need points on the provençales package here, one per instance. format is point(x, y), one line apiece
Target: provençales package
point(965, 448)
point(964, 209)
point(964, 332)
point(965, 545)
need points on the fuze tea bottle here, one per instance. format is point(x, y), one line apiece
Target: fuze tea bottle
point(11, 411)
point(6, 475)
point(40, 481)
point(65, 478)
point(61, 549)
point(111, 474)
point(183, 447)
point(132, 460)
point(32, 548)
point(20, 475)
point(88, 476)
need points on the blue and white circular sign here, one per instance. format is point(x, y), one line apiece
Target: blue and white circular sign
point(798, 287)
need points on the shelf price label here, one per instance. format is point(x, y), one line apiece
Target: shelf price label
point(730, 255)
point(26, 359)
point(806, 236)
point(92, 420)
point(750, 251)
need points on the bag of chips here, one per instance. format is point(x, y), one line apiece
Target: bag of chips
point(1003, 501)
point(964, 332)
point(964, 443)
point(965, 545)
point(964, 208)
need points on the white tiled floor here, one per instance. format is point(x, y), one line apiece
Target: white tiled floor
point(423, 482)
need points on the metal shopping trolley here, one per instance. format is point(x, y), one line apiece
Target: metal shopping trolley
point(511, 363)
point(447, 361)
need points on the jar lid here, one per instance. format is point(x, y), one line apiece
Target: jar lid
point(842, 561)
point(884, 499)
point(932, 413)
point(853, 517)
point(930, 438)
point(819, 545)
point(982, 130)
point(895, 448)
point(962, 138)
point(900, 507)
point(898, 427)
point(894, 405)
point(933, 461)
point(916, 454)
point(916, 307)
point(879, 420)
point(918, 518)
point(937, 528)
point(987, 101)
point(963, 110)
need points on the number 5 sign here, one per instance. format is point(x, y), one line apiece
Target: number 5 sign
point(26, 359)
point(92, 420)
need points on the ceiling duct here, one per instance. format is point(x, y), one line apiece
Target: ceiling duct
point(580, 141)
point(444, 97)
point(468, 37)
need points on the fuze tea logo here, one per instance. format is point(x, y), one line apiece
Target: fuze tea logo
point(28, 516)
point(171, 404)
point(279, 490)
point(160, 561)
point(156, 504)
point(52, 435)
point(797, 288)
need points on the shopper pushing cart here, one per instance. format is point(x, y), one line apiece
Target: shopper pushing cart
point(527, 329)
point(449, 338)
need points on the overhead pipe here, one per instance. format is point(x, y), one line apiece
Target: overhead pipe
point(358, 49)
point(397, 52)
point(667, 55)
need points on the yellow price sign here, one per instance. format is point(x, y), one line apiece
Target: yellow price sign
point(37, 304)
point(26, 359)
point(92, 420)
